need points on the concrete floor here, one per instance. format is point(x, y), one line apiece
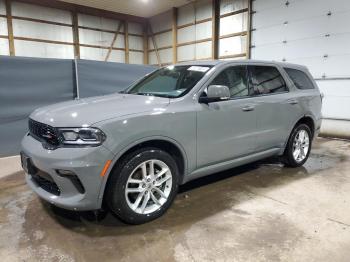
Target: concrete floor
point(259, 212)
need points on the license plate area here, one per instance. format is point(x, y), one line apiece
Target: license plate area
point(27, 164)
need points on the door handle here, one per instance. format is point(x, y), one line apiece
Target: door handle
point(292, 101)
point(248, 108)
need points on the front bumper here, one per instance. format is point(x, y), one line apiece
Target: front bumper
point(86, 163)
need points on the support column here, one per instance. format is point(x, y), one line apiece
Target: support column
point(174, 31)
point(145, 44)
point(76, 35)
point(215, 29)
point(126, 39)
point(10, 28)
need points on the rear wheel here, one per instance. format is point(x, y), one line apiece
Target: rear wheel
point(143, 186)
point(298, 147)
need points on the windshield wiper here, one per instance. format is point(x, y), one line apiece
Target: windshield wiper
point(152, 94)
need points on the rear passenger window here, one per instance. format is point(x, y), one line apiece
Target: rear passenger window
point(299, 78)
point(266, 80)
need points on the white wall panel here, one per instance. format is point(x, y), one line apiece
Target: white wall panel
point(186, 52)
point(203, 9)
point(44, 50)
point(233, 24)
point(305, 30)
point(336, 101)
point(135, 42)
point(99, 22)
point(40, 12)
point(186, 34)
point(196, 11)
point(93, 53)
point(297, 10)
point(4, 47)
point(152, 58)
point(194, 32)
point(150, 43)
point(233, 58)
point(91, 37)
point(42, 31)
point(232, 45)
point(161, 22)
point(100, 54)
point(185, 15)
point(2, 7)
point(227, 6)
point(164, 39)
point(135, 28)
point(3, 26)
point(117, 56)
point(136, 58)
point(204, 30)
point(203, 50)
point(333, 66)
point(166, 56)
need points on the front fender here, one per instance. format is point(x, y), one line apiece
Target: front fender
point(131, 145)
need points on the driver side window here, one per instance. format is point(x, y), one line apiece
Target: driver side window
point(235, 78)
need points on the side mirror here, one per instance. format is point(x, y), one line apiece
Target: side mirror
point(216, 93)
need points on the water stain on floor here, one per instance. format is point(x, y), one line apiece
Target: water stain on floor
point(243, 214)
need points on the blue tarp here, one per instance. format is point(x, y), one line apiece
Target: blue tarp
point(29, 83)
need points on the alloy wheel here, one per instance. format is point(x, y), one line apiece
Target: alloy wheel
point(301, 145)
point(148, 186)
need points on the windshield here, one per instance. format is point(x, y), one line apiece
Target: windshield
point(171, 81)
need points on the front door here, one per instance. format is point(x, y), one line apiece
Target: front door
point(227, 129)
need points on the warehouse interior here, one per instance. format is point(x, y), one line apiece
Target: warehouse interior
point(258, 212)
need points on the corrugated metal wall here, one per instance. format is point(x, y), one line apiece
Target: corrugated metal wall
point(49, 33)
point(194, 30)
point(316, 34)
point(29, 29)
point(161, 41)
point(4, 44)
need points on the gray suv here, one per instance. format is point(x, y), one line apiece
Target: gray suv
point(131, 150)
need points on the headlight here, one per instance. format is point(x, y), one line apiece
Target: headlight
point(85, 136)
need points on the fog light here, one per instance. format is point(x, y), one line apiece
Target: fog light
point(62, 172)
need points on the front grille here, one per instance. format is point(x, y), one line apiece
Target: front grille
point(44, 181)
point(43, 132)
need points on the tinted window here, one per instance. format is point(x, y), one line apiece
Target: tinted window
point(299, 78)
point(171, 81)
point(235, 78)
point(266, 80)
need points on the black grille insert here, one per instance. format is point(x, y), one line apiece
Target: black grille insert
point(44, 133)
point(44, 181)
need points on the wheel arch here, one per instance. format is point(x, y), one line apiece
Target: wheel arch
point(309, 121)
point(167, 144)
point(305, 119)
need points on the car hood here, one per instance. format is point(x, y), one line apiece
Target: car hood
point(85, 112)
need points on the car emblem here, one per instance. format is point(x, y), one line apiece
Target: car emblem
point(48, 135)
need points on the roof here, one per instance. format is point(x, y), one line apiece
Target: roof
point(240, 61)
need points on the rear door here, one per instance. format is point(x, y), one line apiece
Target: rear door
point(276, 107)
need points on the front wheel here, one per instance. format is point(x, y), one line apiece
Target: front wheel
point(298, 146)
point(143, 186)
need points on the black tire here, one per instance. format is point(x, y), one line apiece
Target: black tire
point(288, 158)
point(115, 194)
